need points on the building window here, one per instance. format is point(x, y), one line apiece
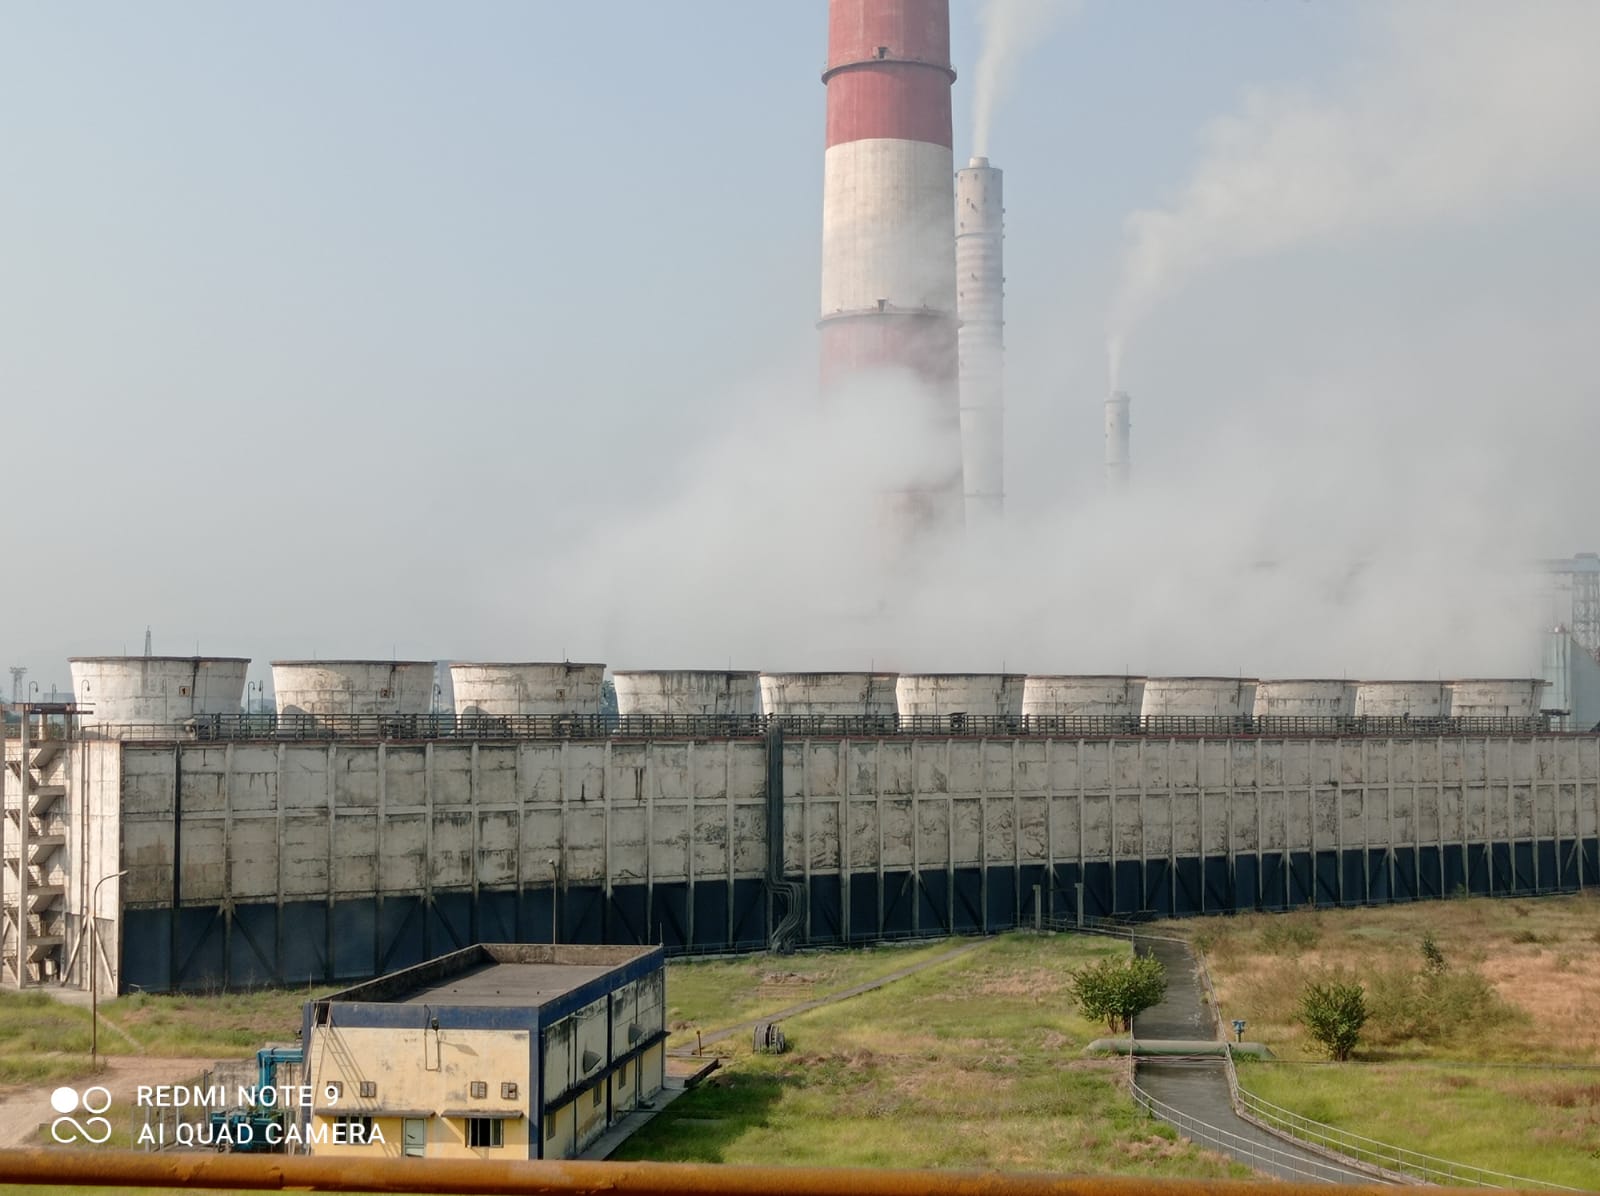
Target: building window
point(597, 1096)
point(549, 1126)
point(508, 1091)
point(369, 1088)
point(352, 1131)
point(485, 1132)
point(479, 1089)
point(622, 1076)
point(335, 1090)
point(415, 1131)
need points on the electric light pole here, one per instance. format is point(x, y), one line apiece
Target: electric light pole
point(94, 968)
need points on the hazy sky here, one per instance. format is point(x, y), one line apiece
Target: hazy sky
point(486, 331)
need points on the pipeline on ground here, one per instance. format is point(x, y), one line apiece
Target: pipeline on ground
point(471, 1177)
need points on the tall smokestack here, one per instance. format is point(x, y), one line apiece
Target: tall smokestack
point(980, 304)
point(1118, 459)
point(888, 248)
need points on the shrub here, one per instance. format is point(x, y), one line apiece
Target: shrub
point(1115, 990)
point(1333, 1012)
point(1433, 961)
point(1434, 1006)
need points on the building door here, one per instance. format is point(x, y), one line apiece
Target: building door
point(415, 1133)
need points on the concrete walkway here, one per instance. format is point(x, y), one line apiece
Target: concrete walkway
point(1192, 1094)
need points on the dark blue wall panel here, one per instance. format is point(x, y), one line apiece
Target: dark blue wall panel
point(899, 899)
point(670, 909)
point(864, 906)
point(1430, 882)
point(1217, 890)
point(304, 937)
point(1158, 887)
point(355, 930)
point(750, 912)
point(1128, 895)
point(146, 950)
point(1247, 882)
point(1002, 911)
point(933, 903)
point(827, 914)
point(629, 923)
point(1300, 879)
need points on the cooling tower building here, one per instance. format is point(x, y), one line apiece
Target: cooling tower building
point(888, 242)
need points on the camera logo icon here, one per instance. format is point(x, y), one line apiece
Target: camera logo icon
point(93, 1128)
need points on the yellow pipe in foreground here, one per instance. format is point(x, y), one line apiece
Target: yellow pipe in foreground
point(276, 1172)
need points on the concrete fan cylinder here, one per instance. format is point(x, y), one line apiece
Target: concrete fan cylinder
point(1510, 698)
point(1402, 699)
point(339, 688)
point(1305, 699)
point(1082, 697)
point(163, 690)
point(1199, 697)
point(682, 692)
point(978, 695)
point(828, 695)
point(534, 689)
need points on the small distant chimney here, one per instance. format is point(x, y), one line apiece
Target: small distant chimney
point(1118, 458)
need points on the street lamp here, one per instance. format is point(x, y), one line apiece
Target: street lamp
point(33, 688)
point(555, 881)
point(94, 968)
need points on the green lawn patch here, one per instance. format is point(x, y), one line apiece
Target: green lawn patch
point(1524, 1121)
point(973, 1063)
point(708, 995)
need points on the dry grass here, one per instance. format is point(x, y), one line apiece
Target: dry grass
point(1540, 956)
point(1520, 985)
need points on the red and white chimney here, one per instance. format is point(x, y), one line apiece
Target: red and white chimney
point(888, 235)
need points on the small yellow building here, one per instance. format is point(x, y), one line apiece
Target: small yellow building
point(495, 1052)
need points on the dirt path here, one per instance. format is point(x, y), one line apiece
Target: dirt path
point(24, 1110)
point(831, 998)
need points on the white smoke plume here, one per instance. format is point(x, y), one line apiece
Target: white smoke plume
point(1009, 29)
point(1463, 107)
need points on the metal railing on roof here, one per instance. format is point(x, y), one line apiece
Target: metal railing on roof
point(726, 726)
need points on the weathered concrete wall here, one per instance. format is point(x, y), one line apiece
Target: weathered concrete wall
point(336, 847)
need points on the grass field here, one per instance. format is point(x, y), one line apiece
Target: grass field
point(1524, 1121)
point(972, 1063)
point(1514, 988)
point(43, 1040)
point(707, 995)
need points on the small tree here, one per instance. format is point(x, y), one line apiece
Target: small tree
point(1115, 990)
point(1333, 1013)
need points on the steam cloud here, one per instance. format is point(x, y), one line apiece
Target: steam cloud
point(1009, 28)
point(1465, 105)
point(770, 554)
